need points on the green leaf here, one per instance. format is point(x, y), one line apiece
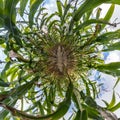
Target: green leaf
point(89, 22)
point(116, 107)
point(13, 30)
point(3, 84)
point(92, 112)
point(52, 23)
point(1, 14)
point(114, 2)
point(108, 14)
point(52, 94)
point(23, 4)
point(88, 92)
point(113, 101)
point(2, 24)
point(34, 5)
point(118, 80)
point(76, 98)
point(98, 13)
point(51, 16)
point(2, 40)
point(111, 68)
point(15, 94)
point(66, 10)
point(89, 101)
point(78, 115)
point(108, 37)
point(106, 103)
point(41, 108)
point(84, 115)
point(59, 6)
point(3, 73)
point(10, 9)
point(62, 108)
point(1, 4)
point(113, 46)
point(87, 6)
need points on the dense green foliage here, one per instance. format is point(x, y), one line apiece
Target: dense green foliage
point(49, 58)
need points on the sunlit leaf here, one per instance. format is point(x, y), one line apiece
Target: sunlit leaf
point(108, 14)
point(116, 107)
point(59, 6)
point(113, 101)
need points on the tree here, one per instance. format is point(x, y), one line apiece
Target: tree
point(50, 58)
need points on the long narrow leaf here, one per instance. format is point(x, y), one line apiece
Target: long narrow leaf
point(87, 6)
point(78, 115)
point(113, 46)
point(107, 37)
point(116, 107)
point(62, 108)
point(108, 15)
point(111, 68)
point(10, 9)
point(84, 115)
point(16, 94)
point(34, 5)
point(113, 101)
point(59, 6)
point(113, 2)
point(89, 22)
point(23, 4)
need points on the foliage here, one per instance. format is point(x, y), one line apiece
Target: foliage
point(49, 58)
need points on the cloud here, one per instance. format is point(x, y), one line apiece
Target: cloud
point(50, 5)
point(114, 56)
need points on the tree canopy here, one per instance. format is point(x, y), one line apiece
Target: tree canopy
point(50, 57)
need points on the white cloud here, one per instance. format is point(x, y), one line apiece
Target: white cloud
point(2, 58)
point(51, 7)
point(114, 56)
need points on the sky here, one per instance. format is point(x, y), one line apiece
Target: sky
point(113, 56)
